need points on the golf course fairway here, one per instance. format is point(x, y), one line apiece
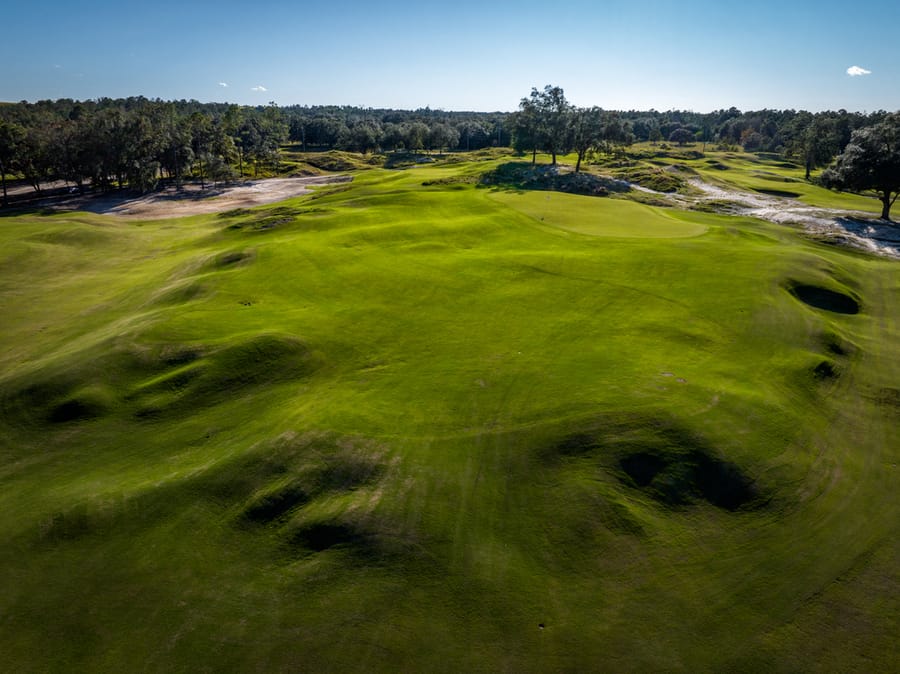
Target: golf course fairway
point(408, 423)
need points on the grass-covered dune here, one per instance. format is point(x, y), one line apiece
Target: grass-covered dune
point(411, 424)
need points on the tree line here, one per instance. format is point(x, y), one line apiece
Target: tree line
point(547, 122)
point(136, 142)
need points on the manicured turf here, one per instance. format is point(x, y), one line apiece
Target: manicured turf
point(599, 217)
point(402, 425)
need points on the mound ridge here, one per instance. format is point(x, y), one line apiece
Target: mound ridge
point(152, 379)
point(679, 478)
point(665, 461)
point(232, 259)
point(275, 504)
point(229, 370)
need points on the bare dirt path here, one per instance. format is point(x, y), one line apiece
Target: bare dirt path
point(191, 200)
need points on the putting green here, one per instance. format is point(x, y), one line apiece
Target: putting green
point(595, 216)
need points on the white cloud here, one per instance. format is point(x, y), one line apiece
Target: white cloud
point(223, 84)
point(856, 71)
point(258, 88)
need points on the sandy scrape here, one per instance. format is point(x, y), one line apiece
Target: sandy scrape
point(191, 200)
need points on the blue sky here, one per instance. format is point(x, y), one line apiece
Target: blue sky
point(461, 55)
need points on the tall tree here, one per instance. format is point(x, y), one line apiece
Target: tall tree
point(681, 136)
point(10, 137)
point(871, 161)
point(526, 128)
point(815, 139)
point(414, 135)
point(144, 147)
point(587, 132)
point(365, 136)
point(201, 135)
point(554, 113)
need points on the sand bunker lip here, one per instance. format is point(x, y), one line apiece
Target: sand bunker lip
point(191, 200)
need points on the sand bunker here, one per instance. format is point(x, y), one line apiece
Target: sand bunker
point(191, 200)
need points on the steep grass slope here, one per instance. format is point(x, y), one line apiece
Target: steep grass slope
point(407, 425)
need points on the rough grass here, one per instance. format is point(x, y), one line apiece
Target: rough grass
point(418, 429)
point(775, 177)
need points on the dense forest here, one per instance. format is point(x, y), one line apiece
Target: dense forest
point(136, 142)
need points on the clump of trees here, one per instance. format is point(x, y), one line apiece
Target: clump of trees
point(371, 130)
point(871, 161)
point(135, 142)
point(681, 136)
point(547, 122)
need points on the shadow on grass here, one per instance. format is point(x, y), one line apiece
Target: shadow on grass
point(822, 298)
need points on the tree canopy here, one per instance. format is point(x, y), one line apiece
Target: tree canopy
point(871, 161)
point(136, 142)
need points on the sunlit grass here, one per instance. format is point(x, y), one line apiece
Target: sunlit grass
point(414, 427)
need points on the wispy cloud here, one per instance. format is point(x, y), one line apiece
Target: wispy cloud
point(856, 71)
point(223, 84)
point(258, 87)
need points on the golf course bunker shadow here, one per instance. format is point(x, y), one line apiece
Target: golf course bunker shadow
point(778, 193)
point(232, 259)
point(659, 457)
point(642, 467)
point(825, 370)
point(273, 506)
point(76, 409)
point(324, 535)
point(578, 444)
point(835, 345)
point(347, 473)
point(680, 478)
point(822, 298)
point(338, 535)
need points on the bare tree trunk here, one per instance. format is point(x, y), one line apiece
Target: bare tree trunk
point(886, 203)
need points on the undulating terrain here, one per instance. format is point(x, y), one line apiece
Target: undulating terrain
point(415, 423)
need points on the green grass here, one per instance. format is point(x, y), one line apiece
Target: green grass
point(763, 173)
point(405, 423)
point(775, 177)
point(599, 217)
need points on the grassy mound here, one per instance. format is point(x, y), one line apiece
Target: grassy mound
point(653, 178)
point(521, 175)
point(337, 161)
point(414, 424)
point(592, 217)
